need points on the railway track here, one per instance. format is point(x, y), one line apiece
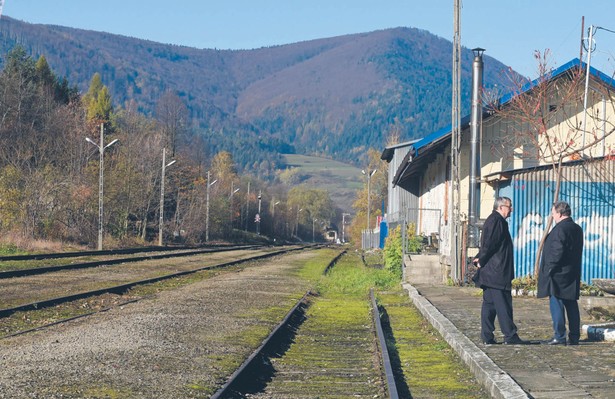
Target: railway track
point(33, 290)
point(185, 340)
point(265, 374)
point(29, 265)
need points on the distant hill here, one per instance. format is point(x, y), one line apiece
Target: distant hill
point(332, 97)
point(341, 180)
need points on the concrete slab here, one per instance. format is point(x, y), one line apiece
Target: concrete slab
point(528, 371)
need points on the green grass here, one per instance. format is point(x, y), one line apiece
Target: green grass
point(341, 180)
point(430, 367)
point(10, 249)
point(350, 277)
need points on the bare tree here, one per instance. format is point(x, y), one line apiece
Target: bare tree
point(172, 115)
point(547, 122)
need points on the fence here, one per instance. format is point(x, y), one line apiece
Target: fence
point(427, 224)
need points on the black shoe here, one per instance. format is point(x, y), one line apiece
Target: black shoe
point(556, 341)
point(490, 342)
point(515, 341)
point(573, 342)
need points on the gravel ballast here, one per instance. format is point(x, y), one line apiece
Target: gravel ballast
point(178, 344)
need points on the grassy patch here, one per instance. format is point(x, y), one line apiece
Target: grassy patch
point(430, 367)
point(351, 277)
point(313, 269)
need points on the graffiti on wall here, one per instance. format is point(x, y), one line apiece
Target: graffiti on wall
point(594, 213)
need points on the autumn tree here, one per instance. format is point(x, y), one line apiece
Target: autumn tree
point(377, 194)
point(315, 205)
point(97, 102)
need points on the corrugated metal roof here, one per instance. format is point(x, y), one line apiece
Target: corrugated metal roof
point(388, 152)
point(439, 138)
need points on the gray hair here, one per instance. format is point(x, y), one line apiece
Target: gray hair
point(562, 208)
point(499, 201)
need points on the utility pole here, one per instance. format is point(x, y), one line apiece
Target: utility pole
point(101, 151)
point(344, 226)
point(455, 237)
point(369, 175)
point(207, 207)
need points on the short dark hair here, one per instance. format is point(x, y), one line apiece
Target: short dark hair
point(562, 208)
point(499, 201)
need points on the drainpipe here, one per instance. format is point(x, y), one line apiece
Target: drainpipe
point(476, 133)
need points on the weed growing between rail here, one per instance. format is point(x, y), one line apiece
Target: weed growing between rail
point(430, 367)
point(427, 366)
point(334, 352)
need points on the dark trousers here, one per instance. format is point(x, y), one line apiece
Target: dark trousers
point(571, 307)
point(497, 303)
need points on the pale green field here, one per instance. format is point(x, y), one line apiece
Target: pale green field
point(341, 180)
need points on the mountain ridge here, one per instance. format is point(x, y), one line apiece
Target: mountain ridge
point(331, 97)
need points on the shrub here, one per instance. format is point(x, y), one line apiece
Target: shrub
point(393, 252)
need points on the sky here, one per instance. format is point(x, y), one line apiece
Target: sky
point(510, 31)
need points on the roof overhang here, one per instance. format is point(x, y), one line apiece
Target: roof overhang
point(425, 150)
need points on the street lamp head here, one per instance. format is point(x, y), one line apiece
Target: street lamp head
point(111, 143)
point(89, 140)
point(369, 174)
point(170, 163)
point(277, 202)
point(236, 190)
point(213, 182)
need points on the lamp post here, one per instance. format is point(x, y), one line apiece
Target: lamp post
point(233, 191)
point(258, 215)
point(369, 175)
point(101, 151)
point(248, 207)
point(164, 166)
point(297, 223)
point(344, 226)
point(207, 208)
point(313, 220)
point(274, 203)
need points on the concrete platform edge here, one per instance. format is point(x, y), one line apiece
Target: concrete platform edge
point(496, 381)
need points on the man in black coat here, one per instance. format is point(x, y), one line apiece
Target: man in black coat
point(495, 275)
point(560, 274)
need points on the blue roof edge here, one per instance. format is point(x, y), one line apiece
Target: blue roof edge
point(446, 130)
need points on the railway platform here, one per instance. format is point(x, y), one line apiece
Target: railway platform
point(518, 371)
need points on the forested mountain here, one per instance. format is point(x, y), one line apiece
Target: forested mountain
point(333, 97)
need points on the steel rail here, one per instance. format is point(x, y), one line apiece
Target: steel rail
point(386, 360)
point(85, 265)
point(74, 254)
point(119, 289)
point(259, 353)
point(279, 329)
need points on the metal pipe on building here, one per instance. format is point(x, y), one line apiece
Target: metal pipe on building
point(476, 123)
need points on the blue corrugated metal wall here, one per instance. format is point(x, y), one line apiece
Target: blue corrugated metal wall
point(589, 188)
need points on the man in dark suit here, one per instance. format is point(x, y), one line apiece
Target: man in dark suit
point(495, 275)
point(559, 276)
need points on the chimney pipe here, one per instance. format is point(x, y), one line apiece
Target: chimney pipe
point(476, 123)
